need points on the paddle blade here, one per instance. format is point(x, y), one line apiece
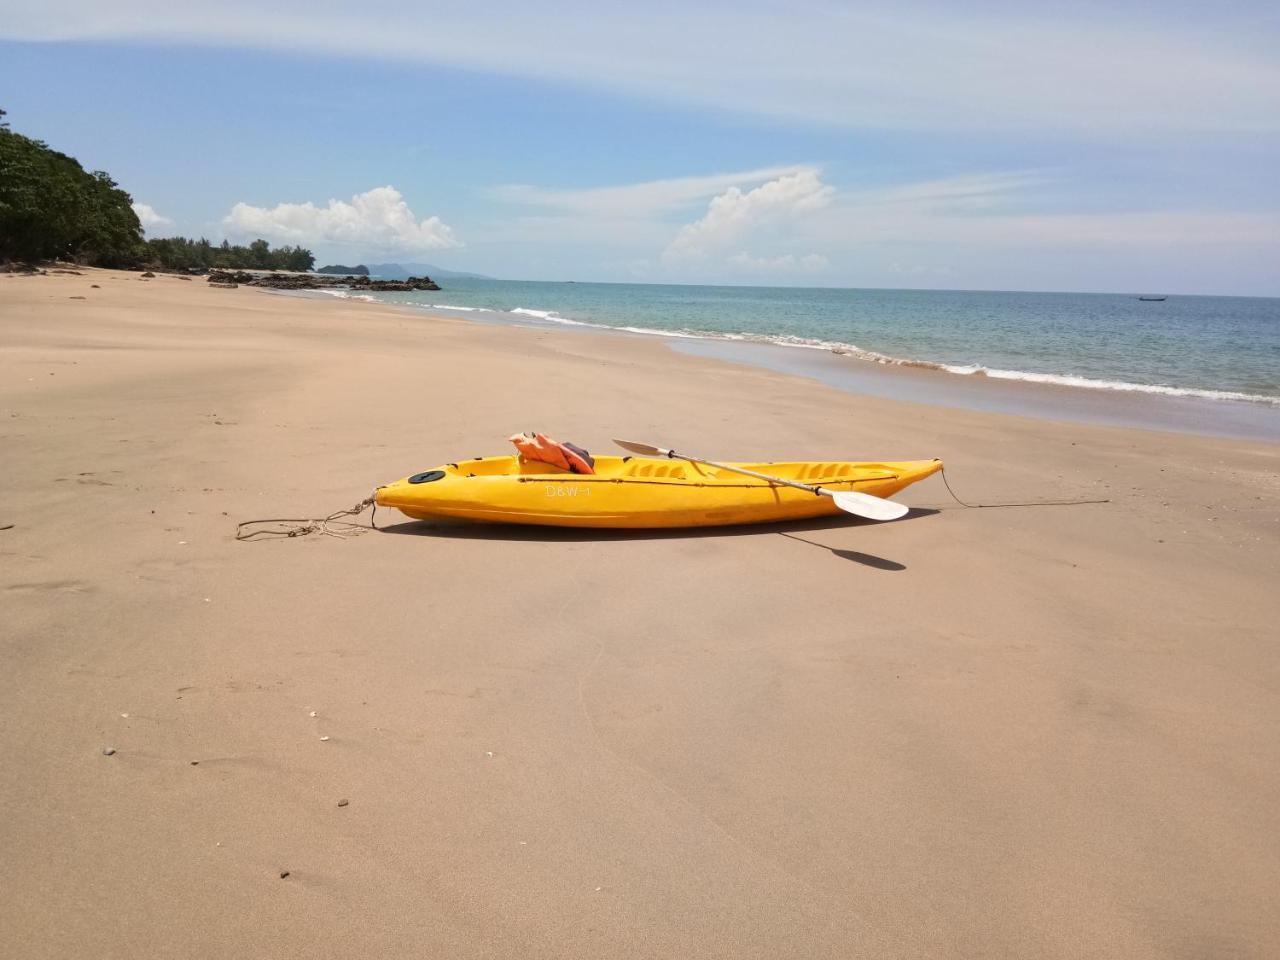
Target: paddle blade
point(644, 449)
point(865, 505)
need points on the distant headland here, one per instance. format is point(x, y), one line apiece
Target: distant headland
point(360, 270)
point(52, 209)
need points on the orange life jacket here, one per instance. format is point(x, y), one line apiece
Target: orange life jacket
point(543, 449)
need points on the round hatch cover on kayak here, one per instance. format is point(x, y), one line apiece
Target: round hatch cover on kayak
point(427, 477)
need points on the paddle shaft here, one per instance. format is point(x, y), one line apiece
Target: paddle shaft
point(850, 501)
point(749, 473)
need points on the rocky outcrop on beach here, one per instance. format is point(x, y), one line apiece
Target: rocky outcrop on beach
point(311, 281)
point(413, 283)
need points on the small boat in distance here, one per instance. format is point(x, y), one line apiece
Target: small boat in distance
point(1153, 299)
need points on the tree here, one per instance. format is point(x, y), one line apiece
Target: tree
point(181, 253)
point(51, 207)
point(299, 259)
point(260, 253)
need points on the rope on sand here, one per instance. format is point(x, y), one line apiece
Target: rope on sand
point(330, 526)
point(334, 526)
point(1028, 503)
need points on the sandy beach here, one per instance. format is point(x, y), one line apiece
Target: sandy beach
point(1017, 732)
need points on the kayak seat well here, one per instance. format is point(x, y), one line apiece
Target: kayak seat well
point(655, 468)
point(827, 471)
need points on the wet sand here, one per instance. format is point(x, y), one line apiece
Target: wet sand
point(1016, 732)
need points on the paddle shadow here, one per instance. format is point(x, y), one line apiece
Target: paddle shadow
point(866, 559)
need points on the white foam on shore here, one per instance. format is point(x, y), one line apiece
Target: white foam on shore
point(346, 295)
point(858, 353)
point(551, 316)
point(678, 334)
point(1088, 383)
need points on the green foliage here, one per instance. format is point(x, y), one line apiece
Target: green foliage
point(360, 270)
point(50, 207)
point(181, 253)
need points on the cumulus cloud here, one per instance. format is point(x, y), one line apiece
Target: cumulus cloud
point(378, 219)
point(148, 217)
point(733, 214)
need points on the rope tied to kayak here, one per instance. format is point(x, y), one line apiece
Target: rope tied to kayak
point(1027, 503)
point(331, 526)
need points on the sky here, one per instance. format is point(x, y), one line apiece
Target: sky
point(1014, 146)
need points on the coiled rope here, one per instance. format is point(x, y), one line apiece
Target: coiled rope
point(331, 526)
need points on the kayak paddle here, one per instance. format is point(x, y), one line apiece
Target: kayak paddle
point(859, 504)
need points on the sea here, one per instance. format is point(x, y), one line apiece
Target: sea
point(1223, 353)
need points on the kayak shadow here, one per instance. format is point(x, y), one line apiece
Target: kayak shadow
point(519, 533)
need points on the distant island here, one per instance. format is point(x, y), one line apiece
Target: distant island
point(360, 270)
point(402, 271)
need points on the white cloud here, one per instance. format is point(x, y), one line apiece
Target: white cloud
point(1138, 231)
point(378, 219)
point(970, 191)
point(148, 217)
point(999, 210)
point(788, 262)
point(645, 199)
point(733, 214)
point(977, 229)
point(1122, 69)
point(919, 270)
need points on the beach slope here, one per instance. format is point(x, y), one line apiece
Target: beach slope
point(1014, 732)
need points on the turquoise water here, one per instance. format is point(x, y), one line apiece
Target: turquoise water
point(1216, 348)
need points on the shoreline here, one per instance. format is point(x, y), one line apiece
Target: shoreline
point(860, 371)
point(1047, 401)
point(1037, 731)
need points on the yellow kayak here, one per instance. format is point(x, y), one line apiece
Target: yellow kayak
point(638, 492)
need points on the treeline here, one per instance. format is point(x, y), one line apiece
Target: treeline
point(51, 207)
point(181, 253)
